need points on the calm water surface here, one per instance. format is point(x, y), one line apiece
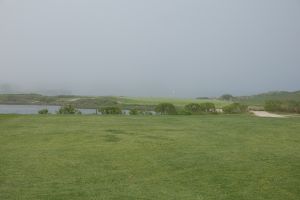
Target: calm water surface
point(33, 109)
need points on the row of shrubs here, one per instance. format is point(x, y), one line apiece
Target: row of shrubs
point(162, 109)
point(109, 110)
point(67, 109)
point(189, 109)
point(202, 108)
point(282, 106)
point(192, 108)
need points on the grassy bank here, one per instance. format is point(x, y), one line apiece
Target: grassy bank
point(149, 157)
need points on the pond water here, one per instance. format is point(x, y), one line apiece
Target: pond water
point(33, 109)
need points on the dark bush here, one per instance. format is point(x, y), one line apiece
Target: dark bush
point(68, 109)
point(195, 108)
point(133, 112)
point(235, 108)
point(227, 97)
point(207, 107)
point(43, 111)
point(192, 108)
point(110, 110)
point(291, 106)
point(282, 106)
point(165, 109)
point(273, 105)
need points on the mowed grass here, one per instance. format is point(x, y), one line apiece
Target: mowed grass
point(149, 157)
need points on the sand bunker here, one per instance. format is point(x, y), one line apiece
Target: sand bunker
point(266, 114)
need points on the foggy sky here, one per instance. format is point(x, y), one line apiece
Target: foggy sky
point(184, 48)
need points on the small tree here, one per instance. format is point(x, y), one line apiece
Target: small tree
point(133, 112)
point(43, 111)
point(234, 108)
point(68, 109)
point(207, 107)
point(193, 108)
point(166, 109)
point(110, 110)
point(227, 97)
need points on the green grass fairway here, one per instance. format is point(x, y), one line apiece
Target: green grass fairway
point(149, 157)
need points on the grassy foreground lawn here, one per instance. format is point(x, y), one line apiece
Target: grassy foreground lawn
point(149, 157)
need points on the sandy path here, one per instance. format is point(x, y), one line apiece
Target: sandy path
point(75, 99)
point(266, 114)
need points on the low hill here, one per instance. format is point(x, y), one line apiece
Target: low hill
point(147, 103)
point(259, 99)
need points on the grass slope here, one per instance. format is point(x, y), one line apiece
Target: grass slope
point(260, 99)
point(149, 157)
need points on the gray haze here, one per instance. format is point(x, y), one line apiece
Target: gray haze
point(183, 48)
